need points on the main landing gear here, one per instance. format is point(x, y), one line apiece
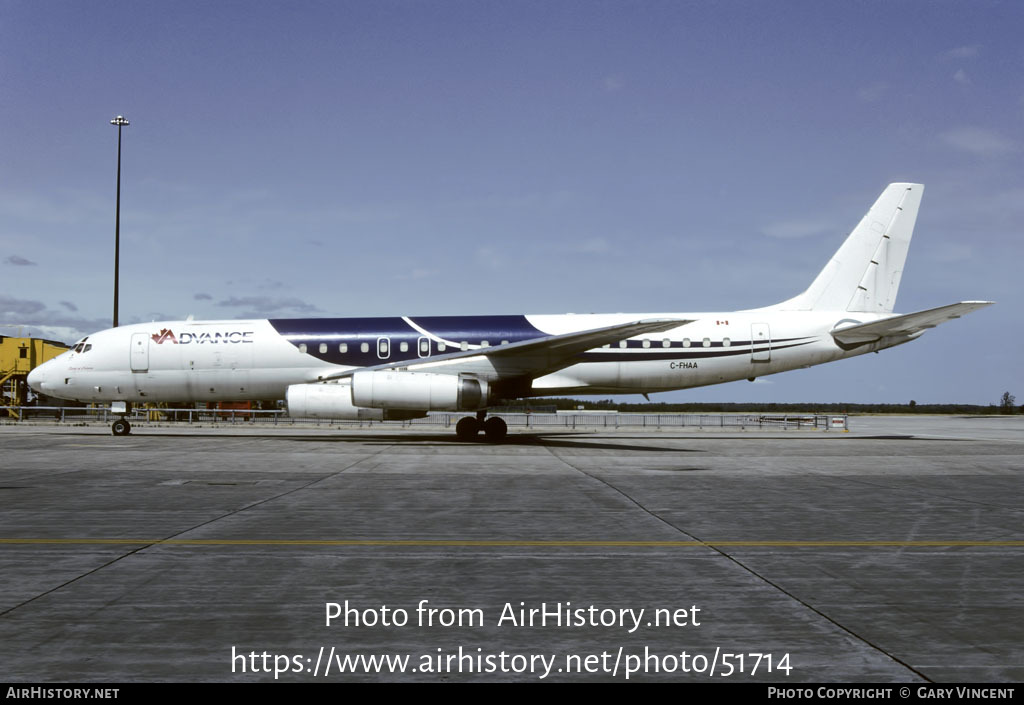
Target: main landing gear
point(494, 428)
point(121, 427)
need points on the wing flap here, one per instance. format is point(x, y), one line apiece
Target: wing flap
point(906, 325)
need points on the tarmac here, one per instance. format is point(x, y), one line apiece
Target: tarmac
point(892, 553)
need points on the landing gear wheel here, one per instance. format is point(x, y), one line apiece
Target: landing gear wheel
point(121, 427)
point(495, 429)
point(467, 428)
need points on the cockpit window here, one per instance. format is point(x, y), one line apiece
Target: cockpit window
point(81, 346)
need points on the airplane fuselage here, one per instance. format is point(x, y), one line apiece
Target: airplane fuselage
point(189, 361)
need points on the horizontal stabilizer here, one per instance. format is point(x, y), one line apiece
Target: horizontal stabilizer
point(907, 325)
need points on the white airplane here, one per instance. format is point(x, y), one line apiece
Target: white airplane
point(403, 367)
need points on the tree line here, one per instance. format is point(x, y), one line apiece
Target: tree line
point(1005, 406)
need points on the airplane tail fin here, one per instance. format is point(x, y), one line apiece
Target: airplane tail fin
point(864, 274)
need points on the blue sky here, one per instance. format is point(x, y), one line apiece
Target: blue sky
point(382, 158)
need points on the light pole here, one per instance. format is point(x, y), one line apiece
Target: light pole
point(120, 122)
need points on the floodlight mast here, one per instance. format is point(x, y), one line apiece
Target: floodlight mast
point(120, 122)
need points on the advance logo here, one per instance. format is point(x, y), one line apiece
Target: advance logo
point(215, 337)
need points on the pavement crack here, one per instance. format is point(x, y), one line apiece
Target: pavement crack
point(740, 564)
point(225, 515)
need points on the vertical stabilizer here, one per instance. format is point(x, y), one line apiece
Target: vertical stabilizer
point(864, 274)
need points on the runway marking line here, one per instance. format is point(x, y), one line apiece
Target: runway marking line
point(499, 544)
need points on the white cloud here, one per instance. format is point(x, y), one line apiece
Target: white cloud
point(61, 334)
point(36, 319)
point(962, 78)
point(11, 307)
point(964, 52)
point(980, 142)
point(260, 306)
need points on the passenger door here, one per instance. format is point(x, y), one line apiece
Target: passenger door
point(140, 352)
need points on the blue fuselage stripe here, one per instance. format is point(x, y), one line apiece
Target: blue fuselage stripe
point(325, 338)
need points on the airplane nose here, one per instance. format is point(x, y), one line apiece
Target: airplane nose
point(37, 378)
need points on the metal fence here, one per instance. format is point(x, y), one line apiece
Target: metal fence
point(571, 420)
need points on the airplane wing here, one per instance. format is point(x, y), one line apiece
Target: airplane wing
point(905, 326)
point(534, 358)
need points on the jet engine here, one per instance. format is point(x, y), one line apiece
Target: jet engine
point(327, 401)
point(387, 389)
point(334, 401)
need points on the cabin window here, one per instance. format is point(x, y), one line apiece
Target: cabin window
point(364, 347)
point(504, 342)
point(623, 343)
point(485, 344)
point(666, 343)
point(343, 348)
point(440, 347)
point(424, 346)
point(726, 342)
point(464, 345)
point(302, 347)
point(707, 342)
point(686, 342)
point(323, 348)
point(383, 348)
point(647, 343)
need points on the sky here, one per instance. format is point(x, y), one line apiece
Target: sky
point(429, 158)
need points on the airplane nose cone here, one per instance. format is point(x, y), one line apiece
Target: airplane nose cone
point(37, 378)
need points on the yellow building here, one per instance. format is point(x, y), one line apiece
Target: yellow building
point(17, 358)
